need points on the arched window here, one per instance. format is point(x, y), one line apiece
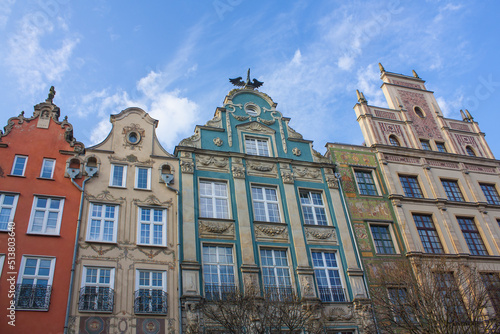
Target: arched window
point(393, 140)
point(470, 151)
point(419, 112)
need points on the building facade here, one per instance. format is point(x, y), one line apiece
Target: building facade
point(261, 211)
point(441, 176)
point(126, 279)
point(38, 218)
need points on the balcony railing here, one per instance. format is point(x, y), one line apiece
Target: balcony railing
point(279, 293)
point(97, 299)
point(332, 294)
point(149, 301)
point(220, 291)
point(33, 296)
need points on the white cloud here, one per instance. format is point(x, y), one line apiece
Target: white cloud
point(369, 84)
point(5, 10)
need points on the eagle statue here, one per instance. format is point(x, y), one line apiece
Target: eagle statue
point(246, 84)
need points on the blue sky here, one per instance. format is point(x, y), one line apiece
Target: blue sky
point(174, 58)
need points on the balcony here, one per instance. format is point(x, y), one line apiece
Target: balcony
point(329, 295)
point(96, 299)
point(279, 293)
point(33, 297)
point(215, 292)
point(150, 301)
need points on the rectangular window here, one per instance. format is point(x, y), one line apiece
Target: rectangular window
point(34, 284)
point(265, 204)
point(492, 283)
point(313, 208)
point(472, 236)
point(327, 272)
point(218, 272)
point(103, 221)
point(96, 293)
point(452, 190)
point(46, 215)
point(118, 176)
point(366, 184)
point(19, 166)
point(450, 296)
point(47, 171)
point(491, 193)
point(425, 145)
point(441, 147)
point(257, 146)
point(143, 178)
point(411, 186)
point(2, 259)
point(8, 203)
point(398, 298)
point(428, 234)
point(214, 200)
point(152, 227)
point(150, 293)
point(382, 239)
point(276, 274)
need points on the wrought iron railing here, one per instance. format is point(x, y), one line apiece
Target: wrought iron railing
point(148, 301)
point(97, 299)
point(220, 291)
point(33, 296)
point(332, 294)
point(278, 293)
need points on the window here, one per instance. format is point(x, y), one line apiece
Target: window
point(470, 151)
point(218, 272)
point(452, 190)
point(2, 259)
point(400, 307)
point(152, 227)
point(19, 165)
point(327, 274)
point(382, 239)
point(411, 186)
point(492, 283)
point(450, 297)
point(46, 215)
point(428, 234)
point(8, 204)
point(394, 141)
point(118, 176)
point(472, 236)
point(47, 171)
point(276, 274)
point(265, 204)
point(257, 146)
point(366, 184)
point(491, 194)
point(441, 147)
point(97, 292)
point(425, 145)
point(150, 295)
point(35, 283)
point(213, 200)
point(142, 178)
point(419, 112)
point(103, 220)
point(313, 208)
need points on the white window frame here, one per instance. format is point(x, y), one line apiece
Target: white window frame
point(152, 224)
point(15, 162)
point(326, 268)
point(47, 160)
point(266, 202)
point(148, 185)
point(102, 220)
point(275, 268)
point(36, 277)
point(214, 199)
point(112, 174)
point(98, 285)
point(313, 206)
point(8, 206)
point(256, 140)
point(150, 287)
point(218, 264)
point(46, 211)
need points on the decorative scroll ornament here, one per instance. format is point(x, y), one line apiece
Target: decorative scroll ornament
point(153, 200)
point(238, 172)
point(292, 133)
point(193, 141)
point(240, 118)
point(215, 122)
point(230, 108)
point(212, 160)
point(271, 231)
point(287, 176)
point(332, 182)
point(133, 128)
point(310, 173)
point(218, 142)
point(296, 151)
point(187, 166)
point(215, 227)
point(105, 195)
point(266, 121)
point(99, 249)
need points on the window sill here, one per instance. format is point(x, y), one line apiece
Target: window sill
point(142, 189)
point(32, 309)
point(216, 219)
point(102, 242)
point(94, 311)
point(153, 246)
point(14, 175)
point(44, 234)
point(117, 187)
point(45, 178)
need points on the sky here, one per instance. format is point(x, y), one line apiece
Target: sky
point(173, 59)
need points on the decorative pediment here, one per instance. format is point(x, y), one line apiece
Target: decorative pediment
point(106, 196)
point(256, 127)
point(153, 200)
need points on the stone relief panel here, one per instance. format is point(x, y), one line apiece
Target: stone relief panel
point(406, 84)
point(261, 168)
point(212, 162)
point(216, 229)
point(271, 232)
point(307, 173)
point(463, 141)
point(361, 208)
point(386, 114)
point(459, 126)
point(307, 286)
point(351, 158)
point(339, 313)
point(133, 128)
point(320, 235)
point(444, 164)
point(482, 169)
point(405, 160)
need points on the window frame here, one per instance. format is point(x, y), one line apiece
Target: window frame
point(411, 186)
point(491, 193)
point(112, 176)
point(256, 139)
point(313, 207)
point(16, 157)
point(390, 231)
point(148, 182)
point(470, 151)
point(152, 223)
point(441, 147)
point(97, 285)
point(472, 236)
point(46, 210)
point(493, 291)
point(12, 208)
point(266, 202)
point(2, 259)
point(102, 222)
point(393, 141)
point(365, 172)
point(150, 288)
point(35, 277)
point(221, 288)
point(52, 168)
point(213, 199)
point(426, 144)
point(452, 190)
point(327, 269)
point(426, 229)
point(274, 268)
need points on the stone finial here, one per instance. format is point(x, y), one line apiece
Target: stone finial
point(52, 93)
point(361, 97)
point(382, 69)
point(469, 115)
point(415, 74)
point(464, 118)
